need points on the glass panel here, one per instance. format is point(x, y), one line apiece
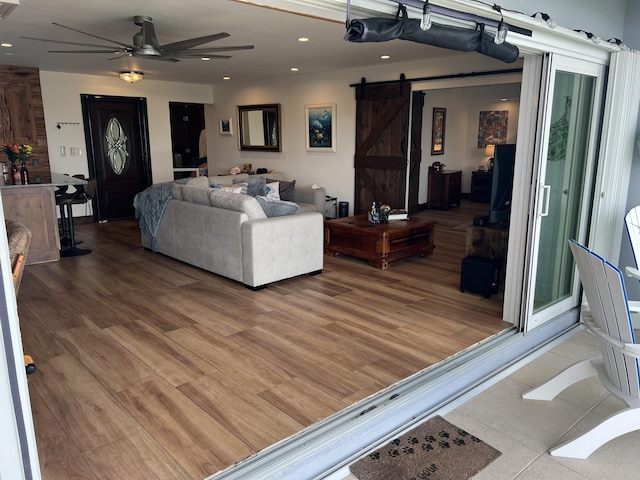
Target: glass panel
point(116, 140)
point(566, 165)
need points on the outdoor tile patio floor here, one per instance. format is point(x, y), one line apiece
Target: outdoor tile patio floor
point(524, 430)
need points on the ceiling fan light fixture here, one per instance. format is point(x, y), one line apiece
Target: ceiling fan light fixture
point(131, 76)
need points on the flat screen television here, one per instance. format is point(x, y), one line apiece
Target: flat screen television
point(504, 158)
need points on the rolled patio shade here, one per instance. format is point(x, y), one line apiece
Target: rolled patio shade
point(443, 36)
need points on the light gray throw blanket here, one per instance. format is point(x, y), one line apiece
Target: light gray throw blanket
point(150, 206)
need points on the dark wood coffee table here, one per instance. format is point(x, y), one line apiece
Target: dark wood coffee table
point(380, 244)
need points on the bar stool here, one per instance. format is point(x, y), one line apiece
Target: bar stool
point(82, 195)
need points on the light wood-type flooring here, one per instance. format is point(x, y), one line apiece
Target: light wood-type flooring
point(152, 369)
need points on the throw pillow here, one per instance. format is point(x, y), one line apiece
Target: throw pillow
point(271, 191)
point(235, 188)
point(277, 208)
point(256, 185)
point(286, 189)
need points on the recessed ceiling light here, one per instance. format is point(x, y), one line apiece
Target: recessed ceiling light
point(303, 39)
point(385, 57)
point(5, 45)
point(226, 78)
point(205, 59)
point(294, 69)
point(504, 99)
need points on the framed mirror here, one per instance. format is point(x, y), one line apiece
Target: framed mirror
point(259, 127)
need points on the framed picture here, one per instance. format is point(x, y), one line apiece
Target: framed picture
point(437, 130)
point(492, 127)
point(226, 126)
point(321, 127)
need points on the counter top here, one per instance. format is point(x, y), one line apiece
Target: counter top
point(57, 180)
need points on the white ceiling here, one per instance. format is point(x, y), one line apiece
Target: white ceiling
point(273, 32)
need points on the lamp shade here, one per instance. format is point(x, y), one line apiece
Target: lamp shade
point(131, 76)
point(489, 150)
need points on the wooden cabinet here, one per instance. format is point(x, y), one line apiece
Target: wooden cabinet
point(35, 207)
point(444, 188)
point(481, 186)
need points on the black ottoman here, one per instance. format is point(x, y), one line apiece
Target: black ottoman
point(480, 275)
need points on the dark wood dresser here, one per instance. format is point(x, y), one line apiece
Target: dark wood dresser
point(481, 186)
point(444, 188)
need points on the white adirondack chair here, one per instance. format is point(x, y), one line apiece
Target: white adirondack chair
point(609, 319)
point(632, 222)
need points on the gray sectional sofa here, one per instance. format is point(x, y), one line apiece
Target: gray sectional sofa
point(229, 233)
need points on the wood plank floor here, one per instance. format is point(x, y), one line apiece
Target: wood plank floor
point(150, 368)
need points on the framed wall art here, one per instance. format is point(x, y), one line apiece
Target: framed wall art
point(226, 126)
point(438, 130)
point(492, 128)
point(321, 127)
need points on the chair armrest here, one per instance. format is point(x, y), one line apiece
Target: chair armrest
point(633, 272)
point(315, 196)
point(282, 247)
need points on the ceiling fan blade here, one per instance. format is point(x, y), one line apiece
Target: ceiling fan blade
point(92, 35)
point(68, 43)
point(189, 54)
point(193, 42)
point(157, 57)
point(113, 50)
point(219, 49)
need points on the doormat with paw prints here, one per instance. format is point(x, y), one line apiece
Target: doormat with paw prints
point(434, 450)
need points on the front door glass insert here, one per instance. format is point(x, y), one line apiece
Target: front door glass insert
point(116, 140)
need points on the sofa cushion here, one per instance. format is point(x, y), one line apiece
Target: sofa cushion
point(236, 188)
point(277, 208)
point(236, 202)
point(256, 185)
point(192, 194)
point(285, 189)
point(200, 182)
point(271, 191)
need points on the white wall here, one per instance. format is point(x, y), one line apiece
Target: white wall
point(333, 170)
point(463, 106)
point(61, 97)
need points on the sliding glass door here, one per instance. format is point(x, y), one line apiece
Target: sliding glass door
point(563, 193)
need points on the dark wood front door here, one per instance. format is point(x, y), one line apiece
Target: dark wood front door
point(382, 127)
point(118, 150)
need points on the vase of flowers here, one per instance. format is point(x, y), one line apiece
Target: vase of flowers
point(18, 152)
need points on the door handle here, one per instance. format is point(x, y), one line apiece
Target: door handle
point(546, 193)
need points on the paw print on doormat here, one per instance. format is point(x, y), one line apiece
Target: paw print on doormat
point(393, 453)
point(374, 456)
point(444, 434)
point(459, 441)
point(444, 444)
point(408, 450)
point(427, 447)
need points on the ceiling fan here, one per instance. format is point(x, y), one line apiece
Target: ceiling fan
point(145, 44)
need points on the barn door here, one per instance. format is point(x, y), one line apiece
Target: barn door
point(382, 128)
